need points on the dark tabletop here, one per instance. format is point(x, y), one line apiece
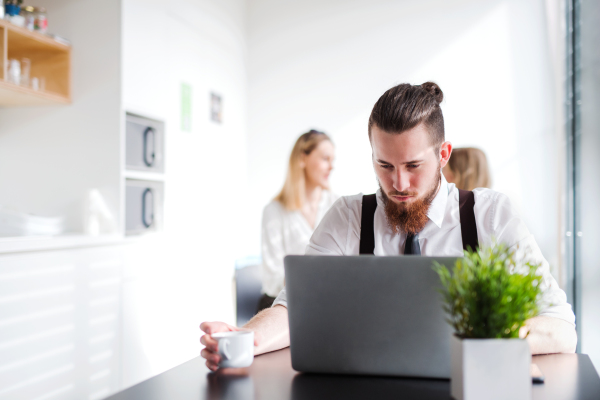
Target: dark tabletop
point(568, 376)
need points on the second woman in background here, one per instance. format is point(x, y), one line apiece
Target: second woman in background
point(468, 169)
point(291, 217)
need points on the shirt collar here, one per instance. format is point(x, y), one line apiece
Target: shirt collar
point(437, 209)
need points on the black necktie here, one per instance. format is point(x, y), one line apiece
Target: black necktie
point(411, 246)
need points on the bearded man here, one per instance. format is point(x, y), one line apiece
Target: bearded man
point(416, 212)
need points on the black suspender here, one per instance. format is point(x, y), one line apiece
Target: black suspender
point(468, 226)
point(367, 234)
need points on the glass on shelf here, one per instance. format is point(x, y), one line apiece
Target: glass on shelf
point(38, 83)
point(41, 20)
point(14, 71)
point(28, 12)
point(25, 71)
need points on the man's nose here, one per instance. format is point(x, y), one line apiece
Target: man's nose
point(401, 181)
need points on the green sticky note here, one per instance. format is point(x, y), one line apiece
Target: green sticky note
point(186, 107)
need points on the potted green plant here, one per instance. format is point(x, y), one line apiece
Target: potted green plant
point(488, 297)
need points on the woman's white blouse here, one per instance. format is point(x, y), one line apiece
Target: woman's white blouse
point(283, 233)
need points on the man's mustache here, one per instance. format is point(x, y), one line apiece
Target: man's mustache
point(402, 194)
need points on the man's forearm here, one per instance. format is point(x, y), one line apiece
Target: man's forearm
point(271, 328)
point(548, 335)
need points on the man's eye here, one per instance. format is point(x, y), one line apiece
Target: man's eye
point(412, 166)
point(385, 166)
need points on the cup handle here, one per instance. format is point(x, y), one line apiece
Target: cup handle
point(225, 343)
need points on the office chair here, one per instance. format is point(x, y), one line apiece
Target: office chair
point(248, 285)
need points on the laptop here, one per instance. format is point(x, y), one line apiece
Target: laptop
point(368, 315)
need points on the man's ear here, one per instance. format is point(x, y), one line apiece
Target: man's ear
point(445, 152)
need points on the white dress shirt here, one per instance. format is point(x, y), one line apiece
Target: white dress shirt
point(339, 234)
point(285, 232)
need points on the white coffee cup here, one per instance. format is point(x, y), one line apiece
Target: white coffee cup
point(235, 348)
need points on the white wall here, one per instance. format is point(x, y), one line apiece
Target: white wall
point(184, 276)
point(51, 156)
point(316, 64)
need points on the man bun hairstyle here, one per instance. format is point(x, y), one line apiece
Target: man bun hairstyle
point(405, 106)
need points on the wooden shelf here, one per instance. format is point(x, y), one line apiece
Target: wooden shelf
point(50, 60)
point(15, 95)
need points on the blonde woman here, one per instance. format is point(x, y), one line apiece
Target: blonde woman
point(468, 169)
point(291, 217)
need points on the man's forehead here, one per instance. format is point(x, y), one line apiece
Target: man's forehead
point(402, 147)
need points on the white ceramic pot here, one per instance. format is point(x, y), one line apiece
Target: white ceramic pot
point(491, 369)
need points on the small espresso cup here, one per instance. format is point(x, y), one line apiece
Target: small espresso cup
point(235, 348)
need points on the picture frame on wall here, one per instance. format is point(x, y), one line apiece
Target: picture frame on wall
point(186, 107)
point(216, 108)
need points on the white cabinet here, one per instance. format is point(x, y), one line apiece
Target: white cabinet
point(60, 323)
point(83, 323)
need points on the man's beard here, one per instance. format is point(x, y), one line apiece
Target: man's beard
point(409, 217)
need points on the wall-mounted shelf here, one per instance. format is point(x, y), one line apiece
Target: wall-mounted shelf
point(50, 60)
point(16, 95)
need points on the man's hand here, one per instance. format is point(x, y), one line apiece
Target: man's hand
point(210, 352)
point(548, 335)
point(271, 332)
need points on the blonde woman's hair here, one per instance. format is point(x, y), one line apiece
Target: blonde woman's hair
point(292, 193)
point(470, 168)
